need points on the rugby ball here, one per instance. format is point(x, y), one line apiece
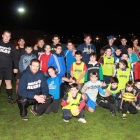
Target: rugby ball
point(72, 109)
point(128, 97)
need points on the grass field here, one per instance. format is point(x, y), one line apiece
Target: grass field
point(100, 125)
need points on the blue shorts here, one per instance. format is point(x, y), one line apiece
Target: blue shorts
point(90, 103)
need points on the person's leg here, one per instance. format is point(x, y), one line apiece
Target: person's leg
point(62, 90)
point(80, 86)
point(66, 114)
point(125, 106)
point(132, 109)
point(55, 106)
point(49, 108)
point(17, 81)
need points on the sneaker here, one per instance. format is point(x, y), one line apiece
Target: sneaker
point(82, 120)
point(123, 116)
point(25, 118)
point(12, 101)
point(32, 111)
point(100, 102)
point(65, 120)
point(138, 107)
point(113, 113)
point(127, 112)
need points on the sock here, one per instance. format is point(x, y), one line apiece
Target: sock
point(9, 93)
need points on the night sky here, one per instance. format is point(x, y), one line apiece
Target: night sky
point(71, 17)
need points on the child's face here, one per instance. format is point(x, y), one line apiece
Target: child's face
point(78, 57)
point(74, 91)
point(87, 40)
point(124, 57)
point(111, 41)
point(108, 52)
point(118, 52)
point(28, 50)
point(70, 46)
point(114, 85)
point(123, 41)
point(122, 66)
point(130, 50)
point(47, 48)
point(93, 78)
point(58, 50)
point(138, 85)
point(92, 58)
point(21, 42)
point(135, 42)
point(129, 88)
point(40, 43)
point(51, 72)
point(55, 40)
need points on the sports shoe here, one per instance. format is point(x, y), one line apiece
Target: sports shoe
point(32, 111)
point(12, 101)
point(127, 112)
point(138, 107)
point(82, 120)
point(25, 118)
point(113, 113)
point(100, 102)
point(123, 116)
point(65, 120)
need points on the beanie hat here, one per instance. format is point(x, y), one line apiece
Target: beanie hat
point(110, 37)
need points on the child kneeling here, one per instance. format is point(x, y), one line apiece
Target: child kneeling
point(73, 98)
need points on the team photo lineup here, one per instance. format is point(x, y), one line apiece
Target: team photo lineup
point(50, 75)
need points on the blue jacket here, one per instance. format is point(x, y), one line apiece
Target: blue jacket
point(31, 84)
point(25, 61)
point(58, 62)
point(117, 59)
point(86, 50)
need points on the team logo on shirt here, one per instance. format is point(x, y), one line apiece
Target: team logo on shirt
point(5, 50)
point(88, 51)
point(93, 87)
point(52, 86)
point(34, 85)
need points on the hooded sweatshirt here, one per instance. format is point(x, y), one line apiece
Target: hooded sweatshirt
point(32, 84)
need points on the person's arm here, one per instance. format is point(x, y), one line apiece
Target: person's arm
point(84, 88)
point(67, 80)
point(65, 100)
point(21, 64)
point(71, 71)
point(51, 62)
point(15, 58)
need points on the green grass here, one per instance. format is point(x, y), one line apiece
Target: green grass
point(100, 125)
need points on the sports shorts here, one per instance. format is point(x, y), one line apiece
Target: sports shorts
point(6, 73)
point(90, 103)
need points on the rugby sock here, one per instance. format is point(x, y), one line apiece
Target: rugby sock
point(9, 93)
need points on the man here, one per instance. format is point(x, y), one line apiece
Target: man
point(8, 56)
point(33, 89)
point(123, 45)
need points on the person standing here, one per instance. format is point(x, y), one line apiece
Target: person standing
point(8, 56)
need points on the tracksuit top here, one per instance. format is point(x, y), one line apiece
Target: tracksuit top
point(32, 84)
point(8, 55)
point(43, 58)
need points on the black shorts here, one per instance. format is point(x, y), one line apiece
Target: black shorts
point(18, 74)
point(6, 73)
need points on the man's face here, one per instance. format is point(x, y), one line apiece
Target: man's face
point(58, 50)
point(6, 37)
point(123, 41)
point(34, 67)
point(87, 40)
point(21, 42)
point(55, 40)
point(111, 41)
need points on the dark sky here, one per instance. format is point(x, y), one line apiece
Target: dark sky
point(71, 17)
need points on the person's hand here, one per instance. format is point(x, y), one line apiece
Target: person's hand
point(135, 99)
point(76, 111)
point(120, 96)
point(77, 81)
point(85, 87)
point(15, 70)
point(68, 100)
point(35, 47)
point(39, 98)
point(107, 94)
point(43, 96)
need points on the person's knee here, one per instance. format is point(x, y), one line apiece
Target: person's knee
point(66, 117)
point(91, 110)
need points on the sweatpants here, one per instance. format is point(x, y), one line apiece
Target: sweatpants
point(126, 106)
point(24, 102)
point(109, 105)
point(67, 114)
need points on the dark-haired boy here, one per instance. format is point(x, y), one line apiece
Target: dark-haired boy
point(109, 93)
point(117, 55)
point(123, 46)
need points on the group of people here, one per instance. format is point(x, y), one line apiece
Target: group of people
point(47, 73)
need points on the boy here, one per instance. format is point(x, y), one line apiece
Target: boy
point(73, 97)
point(132, 57)
point(94, 66)
point(117, 55)
point(127, 107)
point(44, 58)
point(123, 46)
point(86, 48)
point(90, 91)
point(78, 69)
point(108, 66)
point(57, 61)
point(26, 58)
point(111, 45)
point(39, 47)
point(69, 57)
point(109, 92)
point(20, 50)
point(124, 56)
